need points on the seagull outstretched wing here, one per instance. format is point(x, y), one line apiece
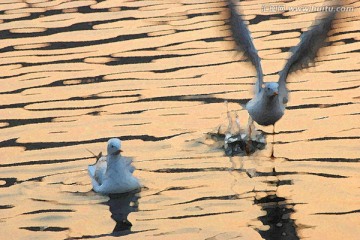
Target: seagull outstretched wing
point(244, 42)
point(306, 51)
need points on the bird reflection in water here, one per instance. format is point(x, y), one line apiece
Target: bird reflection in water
point(278, 211)
point(121, 205)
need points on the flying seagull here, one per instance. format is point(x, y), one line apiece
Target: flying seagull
point(269, 102)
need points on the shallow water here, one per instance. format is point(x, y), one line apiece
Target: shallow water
point(156, 74)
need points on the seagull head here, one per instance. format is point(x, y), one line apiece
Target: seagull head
point(114, 146)
point(271, 89)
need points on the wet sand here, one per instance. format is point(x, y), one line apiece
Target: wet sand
point(156, 74)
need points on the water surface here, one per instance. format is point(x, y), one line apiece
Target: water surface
point(156, 74)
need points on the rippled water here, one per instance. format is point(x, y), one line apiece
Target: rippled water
point(156, 74)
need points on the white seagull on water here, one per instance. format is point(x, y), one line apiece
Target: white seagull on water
point(113, 173)
point(268, 104)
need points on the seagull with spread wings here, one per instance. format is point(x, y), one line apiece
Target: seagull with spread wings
point(269, 102)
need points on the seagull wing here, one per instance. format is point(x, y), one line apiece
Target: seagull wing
point(92, 168)
point(97, 170)
point(244, 42)
point(305, 52)
point(128, 164)
point(91, 171)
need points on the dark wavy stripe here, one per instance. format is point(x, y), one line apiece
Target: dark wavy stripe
point(260, 18)
point(46, 145)
point(169, 70)
point(327, 175)
point(83, 26)
point(22, 122)
point(59, 83)
point(135, 112)
point(143, 59)
point(346, 40)
point(93, 97)
point(116, 234)
point(282, 49)
point(205, 98)
point(175, 189)
point(319, 105)
point(202, 14)
point(265, 174)
point(48, 210)
point(338, 213)
point(280, 182)
point(325, 160)
point(189, 170)
point(132, 124)
point(34, 15)
point(82, 9)
point(345, 32)
point(333, 138)
point(6, 206)
point(8, 182)
point(77, 27)
point(318, 139)
point(326, 90)
point(175, 114)
point(62, 83)
point(45, 229)
point(96, 97)
point(346, 71)
point(319, 118)
point(209, 84)
point(115, 61)
point(41, 200)
point(260, 174)
point(57, 62)
point(71, 44)
point(41, 162)
point(295, 131)
point(179, 158)
point(226, 197)
point(191, 216)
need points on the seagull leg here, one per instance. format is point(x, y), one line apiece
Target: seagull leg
point(248, 142)
point(273, 142)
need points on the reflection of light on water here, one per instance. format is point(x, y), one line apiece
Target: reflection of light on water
point(235, 171)
point(120, 206)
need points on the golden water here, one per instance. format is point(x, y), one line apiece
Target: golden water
point(156, 74)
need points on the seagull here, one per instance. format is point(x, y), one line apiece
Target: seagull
point(269, 102)
point(113, 173)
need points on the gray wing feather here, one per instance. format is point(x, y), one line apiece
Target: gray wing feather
point(306, 51)
point(129, 165)
point(244, 42)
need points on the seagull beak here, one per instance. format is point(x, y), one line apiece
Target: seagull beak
point(275, 94)
point(117, 152)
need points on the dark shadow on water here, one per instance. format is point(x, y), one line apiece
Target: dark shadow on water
point(120, 206)
point(278, 218)
point(278, 214)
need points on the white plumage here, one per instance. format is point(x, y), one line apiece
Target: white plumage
point(113, 173)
